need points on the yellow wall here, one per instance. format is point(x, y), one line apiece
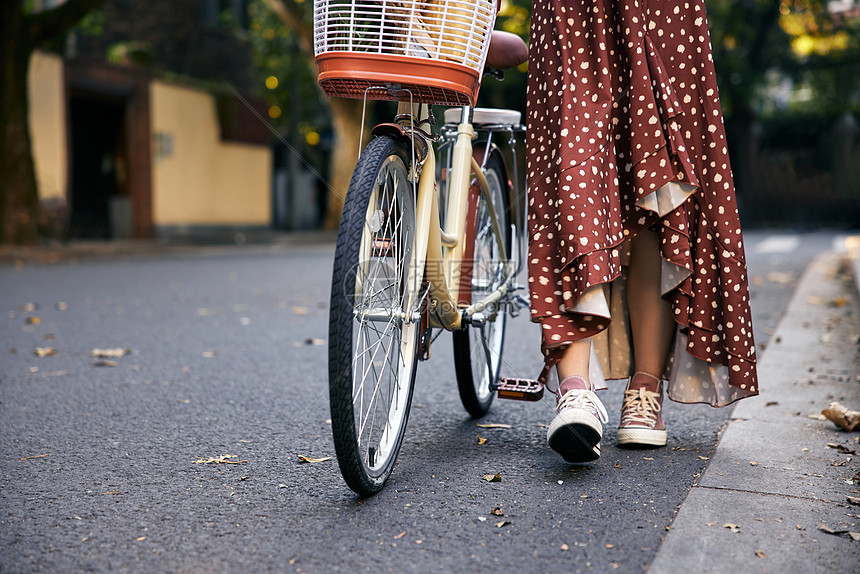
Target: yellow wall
point(196, 178)
point(48, 124)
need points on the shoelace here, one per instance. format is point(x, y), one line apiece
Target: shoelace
point(640, 406)
point(582, 399)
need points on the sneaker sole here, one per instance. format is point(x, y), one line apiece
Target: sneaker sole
point(640, 437)
point(575, 436)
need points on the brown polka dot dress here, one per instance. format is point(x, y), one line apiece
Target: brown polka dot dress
point(625, 133)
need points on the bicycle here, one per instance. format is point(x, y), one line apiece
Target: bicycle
point(423, 246)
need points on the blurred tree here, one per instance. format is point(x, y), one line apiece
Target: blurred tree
point(22, 30)
point(287, 79)
point(297, 16)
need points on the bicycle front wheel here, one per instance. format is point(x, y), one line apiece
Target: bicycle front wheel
point(476, 364)
point(374, 321)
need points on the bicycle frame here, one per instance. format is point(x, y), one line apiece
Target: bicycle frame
point(438, 251)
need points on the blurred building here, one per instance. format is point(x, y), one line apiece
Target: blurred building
point(139, 129)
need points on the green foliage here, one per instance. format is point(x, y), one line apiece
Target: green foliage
point(284, 77)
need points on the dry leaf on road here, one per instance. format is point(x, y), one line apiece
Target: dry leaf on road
point(303, 458)
point(493, 477)
point(839, 415)
point(493, 426)
point(481, 440)
point(109, 353)
point(732, 527)
point(218, 460)
point(45, 351)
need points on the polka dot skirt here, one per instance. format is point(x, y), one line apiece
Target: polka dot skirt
point(625, 132)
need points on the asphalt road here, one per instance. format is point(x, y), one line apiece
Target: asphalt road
point(100, 456)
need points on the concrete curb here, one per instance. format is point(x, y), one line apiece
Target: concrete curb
point(111, 249)
point(773, 481)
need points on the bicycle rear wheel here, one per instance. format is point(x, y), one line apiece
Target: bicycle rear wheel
point(472, 361)
point(374, 320)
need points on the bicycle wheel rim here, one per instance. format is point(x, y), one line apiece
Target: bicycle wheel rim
point(384, 347)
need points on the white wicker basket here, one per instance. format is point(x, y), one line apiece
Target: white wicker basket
point(435, 49)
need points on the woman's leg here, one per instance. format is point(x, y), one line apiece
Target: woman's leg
point(652, 325)
point(575, 360)
point(651, 320)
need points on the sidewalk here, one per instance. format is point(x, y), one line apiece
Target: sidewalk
point(80, 250)
point(774, 497)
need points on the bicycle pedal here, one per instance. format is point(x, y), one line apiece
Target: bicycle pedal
point(519, 389)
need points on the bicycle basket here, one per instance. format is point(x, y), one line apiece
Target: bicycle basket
point(435, 49)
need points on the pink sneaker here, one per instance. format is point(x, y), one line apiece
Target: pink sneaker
point(576, 430)
point(641, 419)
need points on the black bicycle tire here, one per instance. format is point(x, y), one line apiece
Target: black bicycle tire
point(341, 320)
point(474, 405)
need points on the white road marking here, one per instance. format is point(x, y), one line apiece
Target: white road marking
point(778, 244)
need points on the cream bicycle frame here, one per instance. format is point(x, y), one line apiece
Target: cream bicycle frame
point(439, 251)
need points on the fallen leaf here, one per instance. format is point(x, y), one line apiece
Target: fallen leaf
point(493, 477)
point(105, 363)
point(753, 463)
point(45, 351)
point(300, 310)
point(401, 535)
point(854, 535)
point(303, 458)
point(565, 547)
point(493, 426)
point(760, 554)
point(209, 354)
point(828, 530)
point(497, 511)
point(219, 459)
point(502, 523)
point(817, 417)
point(109, 353)
point(703, 457)
point(482, 518)
point(33, 320)
point(854, 500)
point(140, 538)
point(314, 342)
point(282, 486)
point(610, 546)
point(481, 440)
point(732, 527)
point(771, 403)
point(29, 307)
point(35, 456)
point(843, 418)
point(838, 302)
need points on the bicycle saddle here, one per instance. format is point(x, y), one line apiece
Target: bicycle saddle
point(506, 50)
